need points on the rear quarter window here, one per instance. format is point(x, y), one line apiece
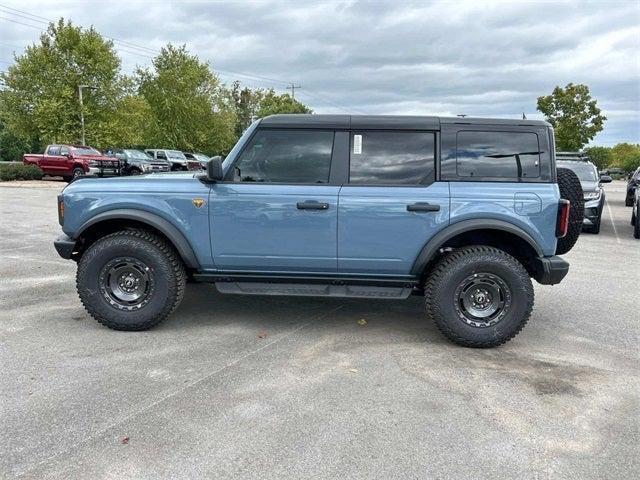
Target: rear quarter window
point(494, 154)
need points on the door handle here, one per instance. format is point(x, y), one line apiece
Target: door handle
point(312, 205)
point(423, 207)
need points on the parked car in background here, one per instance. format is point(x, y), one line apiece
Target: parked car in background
point(632, 186)
point(69, 161)
point(198, 157)
point(176, 158)
point(591, 181)
point(462, 211)
point(635, 220)
point(136, 162)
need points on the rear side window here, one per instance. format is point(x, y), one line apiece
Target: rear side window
point(497, 154)
point(392, 158)
point(286, 156)
point(54, 150)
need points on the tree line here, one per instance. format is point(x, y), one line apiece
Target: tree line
point(177, 102)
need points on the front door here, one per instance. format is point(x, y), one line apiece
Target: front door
point(276, 210)
point(391, 206)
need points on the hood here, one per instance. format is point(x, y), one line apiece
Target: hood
point(95, 158)
point(589, 186)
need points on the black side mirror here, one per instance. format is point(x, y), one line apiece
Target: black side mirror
point(214, 169)
point(605, 179)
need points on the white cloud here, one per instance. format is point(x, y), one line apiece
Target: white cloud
point(479, 58)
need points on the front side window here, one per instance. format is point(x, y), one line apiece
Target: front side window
point(497, 154)
point(392, 158)
point(64, 150)
point(286, 156)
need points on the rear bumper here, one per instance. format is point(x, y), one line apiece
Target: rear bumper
point(64, 246)
point(551, 270)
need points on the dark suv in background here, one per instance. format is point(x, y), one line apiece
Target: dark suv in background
point(591, 182)
point(136, 162)
point(632, 185)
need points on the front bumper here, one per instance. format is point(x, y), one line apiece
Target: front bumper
point(102, 171)
point(65, 246)
point(592, 210)
point(550, 270)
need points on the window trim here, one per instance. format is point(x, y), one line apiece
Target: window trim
point(333, 161)
point(436, 159)
point(511, 179)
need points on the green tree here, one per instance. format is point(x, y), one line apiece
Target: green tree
point(574, 115)
point(600, 156)
point(40, 97)
point(246, 103)
point(626, 156)
point(189, 108)
point(272, 103)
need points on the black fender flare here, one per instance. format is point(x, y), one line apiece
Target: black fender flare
point(167, 228)
point(431, 248)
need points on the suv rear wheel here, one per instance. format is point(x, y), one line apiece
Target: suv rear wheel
point(130, 280)
point(479, 296)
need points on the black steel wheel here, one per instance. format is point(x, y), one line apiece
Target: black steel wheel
point(482, 299)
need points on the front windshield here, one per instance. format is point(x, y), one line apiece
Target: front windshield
point(85, 151)
point(176, 154)
point(201, 157)
point(585, 172)
point(136, 155)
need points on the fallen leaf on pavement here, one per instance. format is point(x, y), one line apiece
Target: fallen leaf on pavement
point(362, 322)
point(125, 440)
point(262, 335)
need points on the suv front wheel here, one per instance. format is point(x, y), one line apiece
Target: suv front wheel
point(479, 296)
point(130, 280)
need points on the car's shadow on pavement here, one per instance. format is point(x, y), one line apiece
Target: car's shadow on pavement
point(205, 308)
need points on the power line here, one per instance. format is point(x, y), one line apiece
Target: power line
point(43, 20)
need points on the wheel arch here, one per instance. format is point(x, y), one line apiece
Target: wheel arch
point(114, 220)
point(497, 233)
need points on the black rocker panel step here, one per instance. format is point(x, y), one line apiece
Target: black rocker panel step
point(314, 290)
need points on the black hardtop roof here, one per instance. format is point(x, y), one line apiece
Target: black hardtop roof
point(384, 121)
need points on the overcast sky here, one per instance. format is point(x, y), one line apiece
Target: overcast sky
point(441, 58)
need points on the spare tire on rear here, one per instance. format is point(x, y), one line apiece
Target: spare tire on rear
point(571, 189)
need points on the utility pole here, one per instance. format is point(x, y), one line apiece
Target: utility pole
point(80, 87)
point(293, 89)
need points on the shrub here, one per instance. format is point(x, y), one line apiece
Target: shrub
point(18, 171)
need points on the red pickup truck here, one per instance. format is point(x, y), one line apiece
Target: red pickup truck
point(69, 161)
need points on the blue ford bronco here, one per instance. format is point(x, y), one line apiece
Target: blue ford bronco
point(462, 211)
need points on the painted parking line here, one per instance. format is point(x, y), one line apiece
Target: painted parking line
point(615, 230)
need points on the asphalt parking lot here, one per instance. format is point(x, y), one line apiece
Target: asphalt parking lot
point(273, 388)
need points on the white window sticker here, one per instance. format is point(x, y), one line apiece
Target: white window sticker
point(357, 144)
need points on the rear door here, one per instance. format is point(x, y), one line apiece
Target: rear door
point(277, 208)
point(53, 161)
point(392, 204)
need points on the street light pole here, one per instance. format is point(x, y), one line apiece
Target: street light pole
point(80, 87)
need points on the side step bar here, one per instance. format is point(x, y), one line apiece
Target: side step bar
point(315, 285)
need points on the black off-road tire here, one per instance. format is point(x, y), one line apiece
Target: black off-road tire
point(571, 189)
point(443, 306)
point(165, 268)
point(636, 226)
